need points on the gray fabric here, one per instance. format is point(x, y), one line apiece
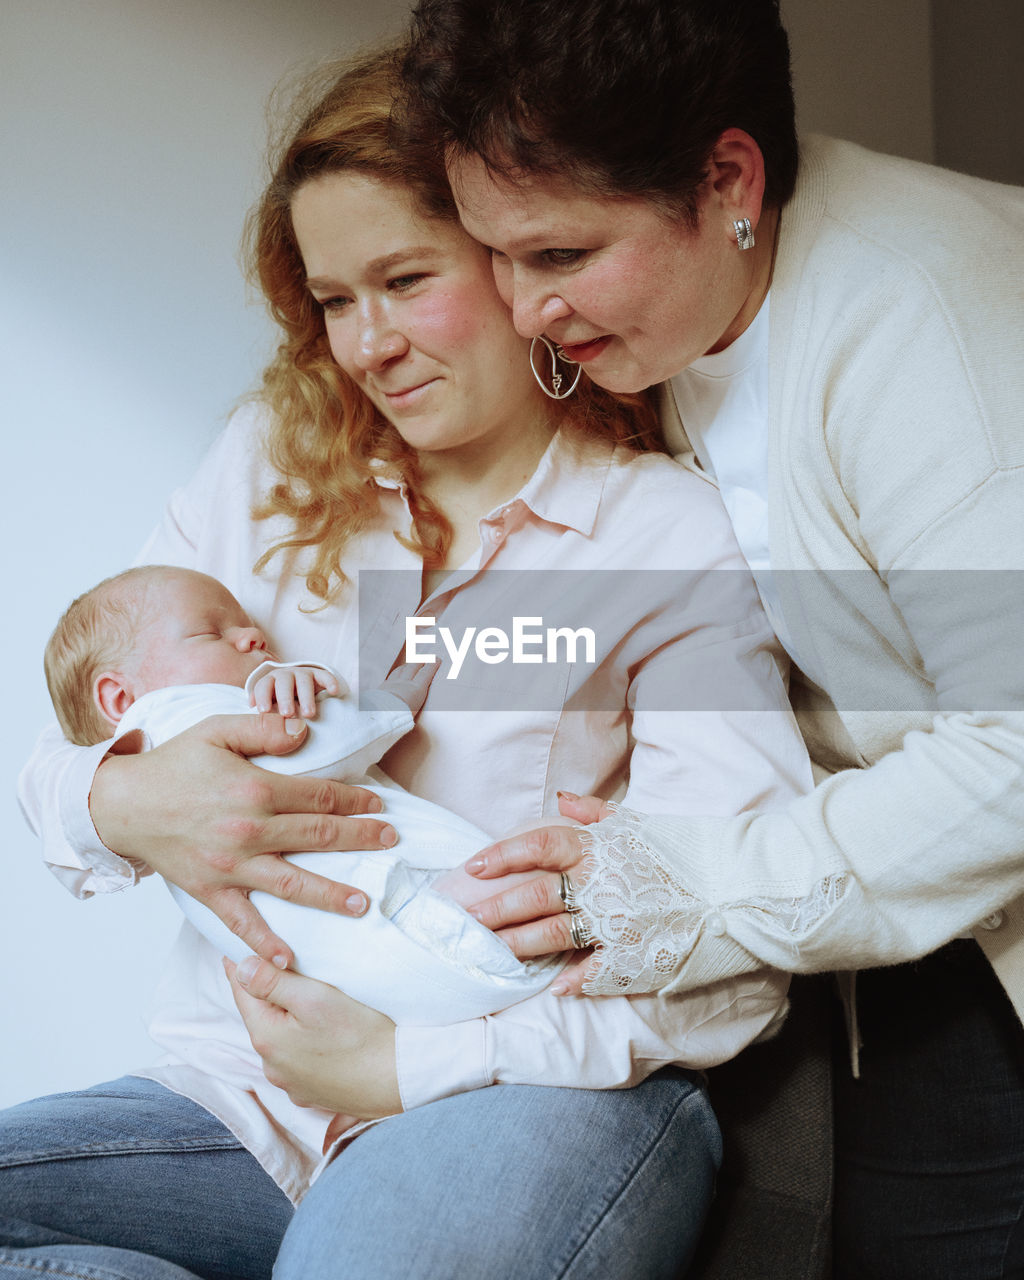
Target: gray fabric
point(771, 1212)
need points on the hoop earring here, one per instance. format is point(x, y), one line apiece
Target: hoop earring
point(557, 378)
point(744, 233)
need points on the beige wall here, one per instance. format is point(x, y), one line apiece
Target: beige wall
point(862, 70)
point(935, 80)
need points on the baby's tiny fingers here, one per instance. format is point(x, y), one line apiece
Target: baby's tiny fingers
point(262, 696)
point(305, 692)
point(284, 692)
point(326, 681)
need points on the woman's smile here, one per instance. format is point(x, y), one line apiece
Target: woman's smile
point(655, 292)
point(409, 397)
point(413, 315)
point(583, 352)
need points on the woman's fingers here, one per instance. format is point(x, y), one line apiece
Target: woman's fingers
point(263, 1007)
point(531, 918)
point(544, 848)
point(242, 918)
point(262, 981)
point(540, 937)
point(310, 831)
point(324, 1048)
point(318, 796)
point(215, 824)
point(535, 899)
point(583, 809)
point(249, 735)
point(283, 879)
point(307, 828)
point(570, 981)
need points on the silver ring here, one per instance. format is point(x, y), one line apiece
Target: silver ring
point(567, 892)
point(579, 931)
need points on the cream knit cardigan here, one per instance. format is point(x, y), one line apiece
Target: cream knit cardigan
point(897, 460)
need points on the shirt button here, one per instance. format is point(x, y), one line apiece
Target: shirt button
point(994, 921)
point(716, 924)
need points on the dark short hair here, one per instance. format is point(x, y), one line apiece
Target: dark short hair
point(621, 97)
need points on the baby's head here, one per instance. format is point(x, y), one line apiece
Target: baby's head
point(142, 630)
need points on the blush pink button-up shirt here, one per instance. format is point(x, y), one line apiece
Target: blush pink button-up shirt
point(682, 710)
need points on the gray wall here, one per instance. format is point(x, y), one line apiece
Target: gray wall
point(131, 145)
point(133, 135)
point(978, 87)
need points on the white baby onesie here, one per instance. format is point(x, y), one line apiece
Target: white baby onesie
point(416, 955)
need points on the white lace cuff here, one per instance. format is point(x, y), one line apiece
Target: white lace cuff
point(647, 924)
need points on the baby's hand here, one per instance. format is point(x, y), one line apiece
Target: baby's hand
point(293, 690)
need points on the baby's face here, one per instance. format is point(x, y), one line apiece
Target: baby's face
point(196, 633)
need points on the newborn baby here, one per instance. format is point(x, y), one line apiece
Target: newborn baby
point(155, 650)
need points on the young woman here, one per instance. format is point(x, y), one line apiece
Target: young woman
point(838, 335)
point(404, 427)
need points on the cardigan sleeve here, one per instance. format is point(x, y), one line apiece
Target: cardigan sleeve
point(876, 866)
point(879, 864)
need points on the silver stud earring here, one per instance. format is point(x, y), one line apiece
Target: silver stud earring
point(557, 377)
point(744, 233)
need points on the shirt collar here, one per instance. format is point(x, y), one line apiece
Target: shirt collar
point(567, 486)
point(565, 489)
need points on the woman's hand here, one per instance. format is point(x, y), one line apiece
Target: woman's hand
point(532, 918)
point(318, 1044)
point(196, 811)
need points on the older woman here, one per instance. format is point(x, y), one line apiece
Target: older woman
point(838, 338)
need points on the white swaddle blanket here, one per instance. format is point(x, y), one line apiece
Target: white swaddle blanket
point(416, 956)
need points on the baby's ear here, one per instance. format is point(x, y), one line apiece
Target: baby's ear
point(111, 692)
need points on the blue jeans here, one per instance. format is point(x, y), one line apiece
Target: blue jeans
point(128, 1181)
point(930, 1139)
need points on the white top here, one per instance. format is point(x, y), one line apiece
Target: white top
point(722, 402)
point(415, 955)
